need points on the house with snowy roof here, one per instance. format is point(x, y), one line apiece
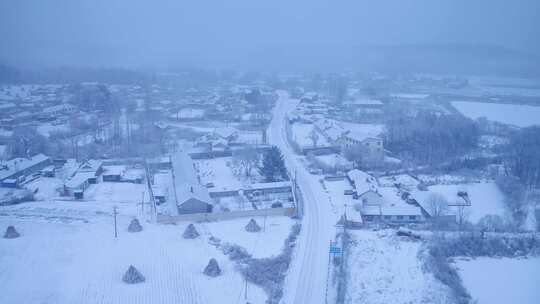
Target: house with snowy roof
point(87, 173)
point(16, 169)
point(364, 107)
point(372, 145)
point(381, 204)
point(190, 196)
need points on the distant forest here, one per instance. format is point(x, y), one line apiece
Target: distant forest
point(14, 75)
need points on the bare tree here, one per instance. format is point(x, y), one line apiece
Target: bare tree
point(437, 207)
point(358, 154)
point(247, 159)
point(314, 136)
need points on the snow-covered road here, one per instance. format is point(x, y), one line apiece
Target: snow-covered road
point(306, 279)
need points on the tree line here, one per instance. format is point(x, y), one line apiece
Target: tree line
point(430, 138)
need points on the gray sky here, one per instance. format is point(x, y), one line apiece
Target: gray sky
point(243, 33)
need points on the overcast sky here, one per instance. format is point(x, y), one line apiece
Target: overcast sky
point(232, 33)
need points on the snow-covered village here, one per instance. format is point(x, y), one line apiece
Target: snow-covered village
point(383, 178)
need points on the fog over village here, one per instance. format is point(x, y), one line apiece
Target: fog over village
point(265, 152)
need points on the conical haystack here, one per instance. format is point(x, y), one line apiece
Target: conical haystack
point(191, 232)
point(134, 226)
point(252, 226)
point(133, 276)
point(11, 233)
point(212, 269)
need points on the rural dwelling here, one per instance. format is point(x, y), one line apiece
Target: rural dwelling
point(352, 218)
point(18, 168)
point(54, 111)
point(362, 182)
point(392, 212)
point(189, 114)
point(77, 184)
point(87, 174)
point(190, 195)
point(364, 108)
point(372, 146)
point(270, 191)
point(49, 171)
point(113, 173)
point(93, 166)
point(133, 175)
point(160, 163)
point(193, 199)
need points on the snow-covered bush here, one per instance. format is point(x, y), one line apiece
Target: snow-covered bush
point(190, 232)
point(514, 198)
point(133, 276)
point(235, 252)
point(134, 226)
point(436, 262)
point(479, 244)
point(11, 233)
point(492, 223)
point(212, 269)
point(252, 226)
point(269, 273)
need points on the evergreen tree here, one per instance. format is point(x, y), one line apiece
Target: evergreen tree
point(273, 167)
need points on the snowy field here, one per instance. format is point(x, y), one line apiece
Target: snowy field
point(385, 269)
point(301, 134)
point(485, 197)
point(266, 243)
point(117, 192)
point(501, 280)
point(67, 253)
point(84, 263)
point(518, 115)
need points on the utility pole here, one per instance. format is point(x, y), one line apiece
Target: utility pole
point(115, 229)
point(245, 289)
point(264, 222)
point(142, 203)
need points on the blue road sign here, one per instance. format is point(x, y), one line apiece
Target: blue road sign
point(335, 250)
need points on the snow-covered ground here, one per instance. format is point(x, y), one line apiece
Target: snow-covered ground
point(220, 172)
point(383, 269)
point(84, 263)
point(339, 202)
point(335, 161)
point(301, 134)
point(117, 192)
point(485, 197)
point(518, 115)
point(501, 280)
point(267, 242)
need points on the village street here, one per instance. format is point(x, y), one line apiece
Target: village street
point(306, 280)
